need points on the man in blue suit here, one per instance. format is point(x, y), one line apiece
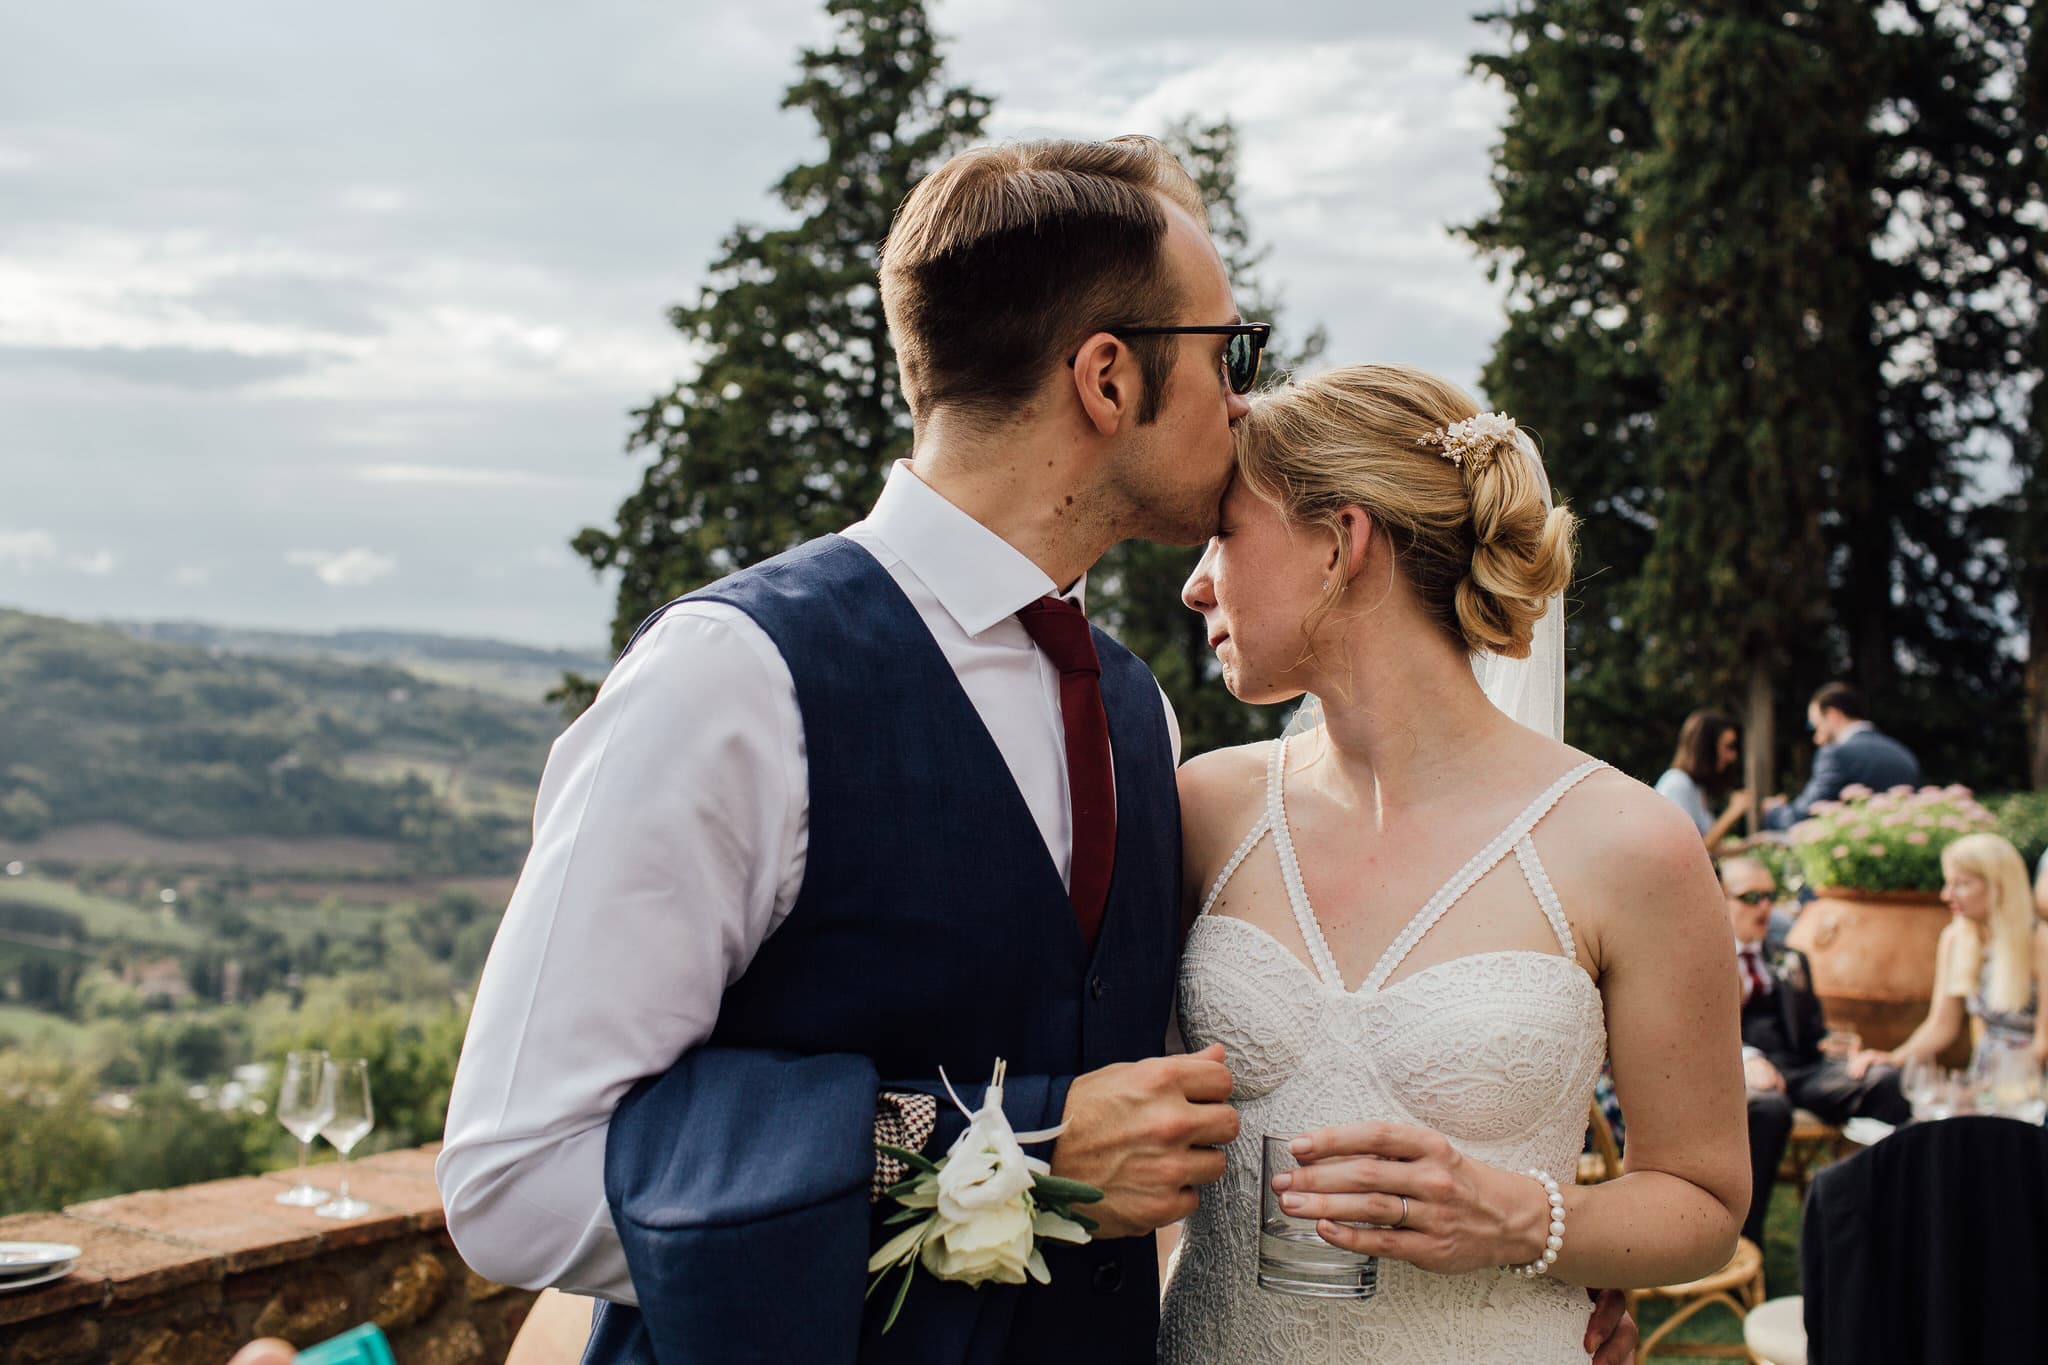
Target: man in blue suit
point(1852, 751)
point(884, 805)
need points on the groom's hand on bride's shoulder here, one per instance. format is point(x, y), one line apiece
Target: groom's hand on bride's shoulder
point(1147, 1135)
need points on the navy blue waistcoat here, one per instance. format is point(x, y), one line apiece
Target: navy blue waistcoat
point(932, 930)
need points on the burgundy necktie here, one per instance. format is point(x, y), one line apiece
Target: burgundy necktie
point(1061, 631)
point(1755, 980)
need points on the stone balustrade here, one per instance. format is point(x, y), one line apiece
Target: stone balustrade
point(186, 1276)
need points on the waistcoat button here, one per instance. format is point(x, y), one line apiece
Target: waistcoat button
point(1095, 988)
point(1109, 1278)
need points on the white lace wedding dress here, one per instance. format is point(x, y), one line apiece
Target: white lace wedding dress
point(1498, 1051)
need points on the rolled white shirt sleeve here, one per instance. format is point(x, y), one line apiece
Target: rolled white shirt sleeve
point(669, 839)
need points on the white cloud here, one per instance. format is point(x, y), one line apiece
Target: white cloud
point(192, 575)
point(99, 563)
point(455, 476)
point(350, 568)
point(373, 199)
point(26, 549)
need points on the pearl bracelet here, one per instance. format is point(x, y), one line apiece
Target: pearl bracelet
point(1555, 1242)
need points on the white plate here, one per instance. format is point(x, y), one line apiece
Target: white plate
point(53, 1273)
point(1865, 1131)
point(23, 1257)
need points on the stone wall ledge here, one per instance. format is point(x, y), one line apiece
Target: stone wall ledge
point(184, 1276)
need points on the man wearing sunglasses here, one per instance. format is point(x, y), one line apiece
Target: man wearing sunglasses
point(1782, 1032)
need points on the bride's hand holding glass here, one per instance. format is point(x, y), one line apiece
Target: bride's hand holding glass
point(1392, 1189)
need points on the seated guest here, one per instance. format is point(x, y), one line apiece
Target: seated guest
point(1781, 1033)
point(1708, 757)
point(1991, 959)
point(1852, 751)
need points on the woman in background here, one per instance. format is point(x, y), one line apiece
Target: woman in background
point(1708, 757)
point(1991, 959)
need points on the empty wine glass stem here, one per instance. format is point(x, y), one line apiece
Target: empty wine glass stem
point(303, 1145)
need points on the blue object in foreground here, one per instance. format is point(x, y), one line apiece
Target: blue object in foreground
point(364, 1345)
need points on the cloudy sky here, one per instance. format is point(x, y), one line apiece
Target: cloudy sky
point(328, 316)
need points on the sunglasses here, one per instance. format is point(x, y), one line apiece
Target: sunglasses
point(1757, 897)
point(1241, 354)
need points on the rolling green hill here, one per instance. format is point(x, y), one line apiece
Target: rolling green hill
point(98, 727)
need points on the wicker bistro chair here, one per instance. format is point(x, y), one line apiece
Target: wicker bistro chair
point(1737, 1286)
point(1813, 1145)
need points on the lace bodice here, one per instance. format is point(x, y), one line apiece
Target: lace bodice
point(1498, 1051)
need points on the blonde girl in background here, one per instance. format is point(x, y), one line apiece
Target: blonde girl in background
point(1991, 959)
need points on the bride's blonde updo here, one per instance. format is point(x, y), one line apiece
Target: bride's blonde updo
point(1474, 537)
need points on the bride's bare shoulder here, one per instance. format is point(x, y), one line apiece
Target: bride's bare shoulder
point(1613, 816)
point(1617, 843)
point(1222, 790)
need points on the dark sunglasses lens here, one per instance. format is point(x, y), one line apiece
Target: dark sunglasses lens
point(1241, 359)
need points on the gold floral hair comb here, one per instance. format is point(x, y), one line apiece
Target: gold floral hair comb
point(1474, 441)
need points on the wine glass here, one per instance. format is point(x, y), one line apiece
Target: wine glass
point(1927, 1088)
point(346, 1092)
point(2011, 1082)
point(1841, 1044)
point(301, 1111)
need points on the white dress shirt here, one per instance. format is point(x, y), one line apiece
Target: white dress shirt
point(669, 838)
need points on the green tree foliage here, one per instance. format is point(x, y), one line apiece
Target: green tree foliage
point(1134, 592)
point(1751, 220)
point(2030, 529)
point(1571, 364)
point(1919, 224)
point(54, 1148)
point(792, 419)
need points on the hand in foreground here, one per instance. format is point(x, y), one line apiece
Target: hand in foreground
point(265, 1351)
point(1460, 1214)
point(1739, 801)
point(1146, 1134)
point(1759, 1074)
point(1862, 1060)
point(1611, 1335)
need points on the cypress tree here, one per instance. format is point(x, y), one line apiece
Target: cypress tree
point(1570, 364)
point(789, 426)
point(1753, 216)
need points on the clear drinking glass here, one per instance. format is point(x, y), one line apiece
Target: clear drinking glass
point(1841, 1044)
point(1921, 1083)
point(2009, 1084)
point(346, 1091)
point(1293, 1259)
point(300, 1110)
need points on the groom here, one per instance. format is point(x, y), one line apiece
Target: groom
point(881, 805)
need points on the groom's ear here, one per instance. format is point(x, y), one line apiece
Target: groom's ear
point(1354, 546)
point(1105, 377)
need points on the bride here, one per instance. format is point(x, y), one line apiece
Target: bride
point(1425, 925)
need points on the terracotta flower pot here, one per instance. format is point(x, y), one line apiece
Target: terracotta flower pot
point(1873, 959)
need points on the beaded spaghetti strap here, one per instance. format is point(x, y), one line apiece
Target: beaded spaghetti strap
point(1468, 876)
point(1251, 841)
point(1290, 869)
point(1546, 895)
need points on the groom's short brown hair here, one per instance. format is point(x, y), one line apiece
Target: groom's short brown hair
point(1006, 256)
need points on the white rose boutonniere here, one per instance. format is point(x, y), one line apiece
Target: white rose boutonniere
point(977, 1213)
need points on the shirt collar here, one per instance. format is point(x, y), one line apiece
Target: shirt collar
point(977, 576)
point(1854, 727)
